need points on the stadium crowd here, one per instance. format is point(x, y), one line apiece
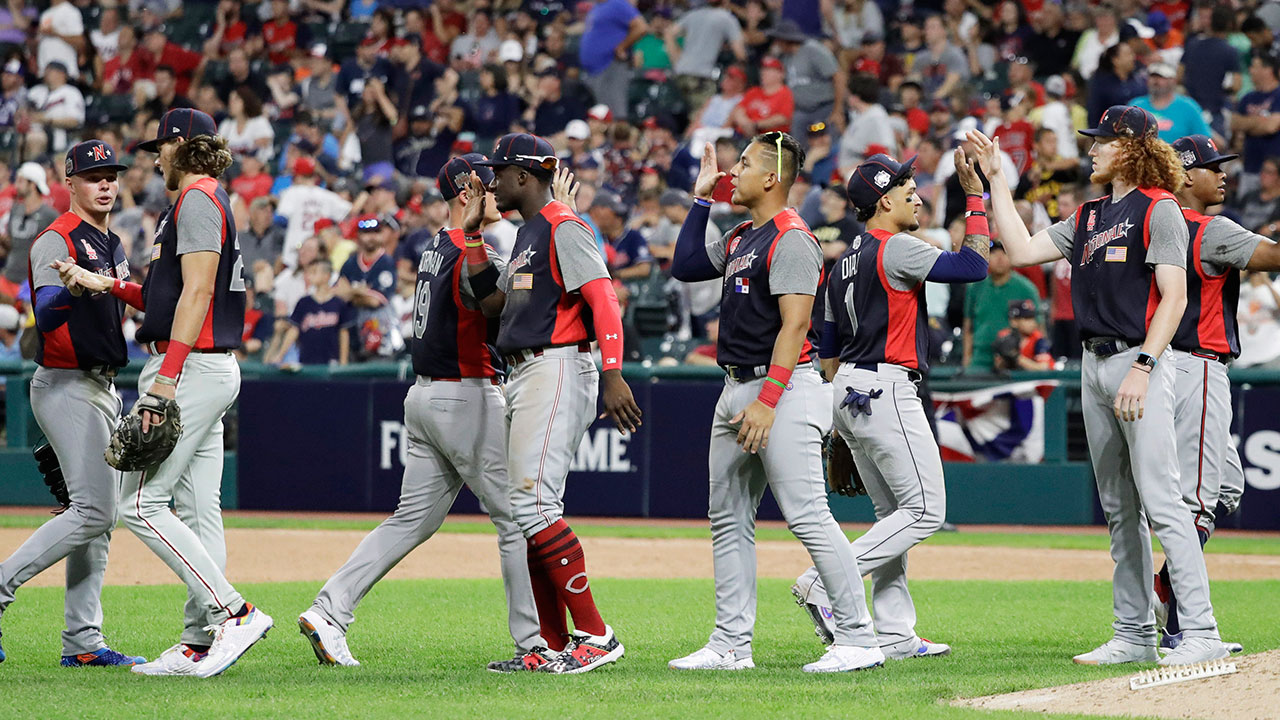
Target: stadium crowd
point(340, 113)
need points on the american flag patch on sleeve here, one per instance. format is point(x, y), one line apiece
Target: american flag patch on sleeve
point(1117, 254)
point(522, 281)
point(742, 285)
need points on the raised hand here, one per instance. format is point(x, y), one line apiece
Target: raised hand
point(708, 174)
point(564, 188)
point(966, 173)
point(473, 212)
point(987, 152)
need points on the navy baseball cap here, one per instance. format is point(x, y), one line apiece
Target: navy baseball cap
point(523, 150)
point(183, 123)
point(873, 178)
point(1024, 308)
point(457, 172)
point(1197, 151)
point(1124, 121)
point(92, 155)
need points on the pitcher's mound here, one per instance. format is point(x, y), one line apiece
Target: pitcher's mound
point(1252, 693)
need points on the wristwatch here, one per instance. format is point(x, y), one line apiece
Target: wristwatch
point(1146, 360)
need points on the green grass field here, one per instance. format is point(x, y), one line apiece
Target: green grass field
point(424, 644)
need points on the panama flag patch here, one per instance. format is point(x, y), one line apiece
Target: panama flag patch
point(1117, 254)
point(742, 285)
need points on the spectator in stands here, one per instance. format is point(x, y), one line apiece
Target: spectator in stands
point(707, 31)
point(373, 120)
point(417, 81)
point(705, 354)
point(1259, 318)
point(435, 215)
point(367, 281)
point(288, 288)
point(1053, 44)
point(1024, 336)
point(874, 59)
point(1062, 316)
point(10, 334)
point(60, 36)
point(28, 217)
point(239, 72)
point(247, 130)
point(767, 107)
point(1011, 33)
point(130, 64)
point(1166, 40)
point(1116, 82)
point(495, 110)
point(1258, 117)
point(1211, 67)
point(1017, 136)
point(1259, 208)
point(626, 251)
point(17, 18)
point(711, 119)
point(816, 81)
point(323, 145)
point(262, 243)
point(852, 22)
point(868, 131)
point(186, 66)
point(1048, 175)
point(231, 31)
point(552, 109)
point(986, 308)
point(320, 323)
point(1177, 115)
point(1261, 39)
point(301, 205)
point(1022, 81)
point(835, 227)
point(318, 92)
point(613, 26)
point(356, 72)
point(251, 183)
point(13, 93)
point(165, 95)
point(479, 45)
point(943, 65)
point(105, 38)
point(57, 112)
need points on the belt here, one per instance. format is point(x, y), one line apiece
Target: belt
point(1207, 354)
point(1108, 346)
point(161, 346)
point(106, 371)
point(912, 374)
point(517, 357)
point(495, 380)
point(747, 373)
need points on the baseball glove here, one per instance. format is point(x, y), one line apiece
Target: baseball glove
point(51, 470)
point(842, 473)
point(132, 449)
point(1007, 346)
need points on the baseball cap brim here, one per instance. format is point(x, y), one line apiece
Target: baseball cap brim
point(117, 167)
point(1098, 132)
point(153, 146)
point(1213, 161)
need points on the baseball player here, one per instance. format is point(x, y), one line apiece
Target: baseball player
point(555, 298)
point(1128, 291)
point(773, 411)
point(194, 299)
point(80, 347)
point(1206, 341)
point(875, 343)
point(454, 414)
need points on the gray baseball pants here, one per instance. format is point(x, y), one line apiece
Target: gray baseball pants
point(1207, 457)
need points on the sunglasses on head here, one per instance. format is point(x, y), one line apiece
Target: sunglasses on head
point(546, 162)
point(777, 139)
point(372, 224)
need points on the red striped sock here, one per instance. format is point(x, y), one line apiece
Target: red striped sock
point(551, 618)
point(560, 554)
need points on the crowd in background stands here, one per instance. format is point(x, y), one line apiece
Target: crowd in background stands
point(328, 106)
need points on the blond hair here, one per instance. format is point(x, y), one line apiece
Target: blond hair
point(202, 155)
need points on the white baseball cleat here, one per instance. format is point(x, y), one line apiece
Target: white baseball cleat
point(846, 658)
point(708, 659)
point(917, 648)
point(177, 660)
point(1195, 650)
point(327, 641)
point(232, 638)
point(1116, 651)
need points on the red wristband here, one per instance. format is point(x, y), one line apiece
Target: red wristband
point(774, 383)
point(474, 247)
point(975, 216)
point(129, 292)
point(174, 357)
point(973, 203)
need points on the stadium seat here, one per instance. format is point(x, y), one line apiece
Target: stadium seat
point(344, 38)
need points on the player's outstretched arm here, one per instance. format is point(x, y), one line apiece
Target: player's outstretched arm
point(482, 274)
point(690, 261)
point(619, 404)
point(1023, 248)
point(1266, 256)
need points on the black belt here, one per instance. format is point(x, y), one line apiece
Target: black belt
point(747, 373)
point(526, 354)
point(106, 371)
point(1207, 354)
point(912, 375)
point(1108, 346)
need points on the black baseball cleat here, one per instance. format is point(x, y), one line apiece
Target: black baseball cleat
point(515, 664)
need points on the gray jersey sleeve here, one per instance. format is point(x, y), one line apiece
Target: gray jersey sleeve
point(47, 249)
point(1168, 233)
point(578, 255)
point(908, 260)
point(796, 266)
point(464, 279)
point(1063, 234)
point(1226, 245)
point(718, 249)
point(199, 224)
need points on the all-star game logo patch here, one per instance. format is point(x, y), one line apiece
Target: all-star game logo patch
point(1187, 157)
point(881, 179)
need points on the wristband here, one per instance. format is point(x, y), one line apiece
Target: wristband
point(973, 203)
point(1146, 360)
point(473, 240)
point(162, 380)
point(702, 201)
point(174, 357)
point(975, 217)
point(774, 384)
point(485, 282)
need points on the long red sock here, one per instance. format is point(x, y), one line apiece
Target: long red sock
point(551, 618)
point(560, 554)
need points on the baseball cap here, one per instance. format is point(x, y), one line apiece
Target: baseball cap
point(9, 318)
point(1164, 70)
point(13, 67)
point(510, 51)
point(522, 150)
point(1158, 22)
point(319, 50)
point(92, 155)
point(1024, 308)
point(735, 72)
point(419, 112)
point(873, 178)
point(304, 166)
point(56, 65)
point(1124, 121)
point(183, 123)
point(673, 197)
point(772, 63)
point(577, 130)
point(600, 112)
point(1055, 85)
point(611, 201)
point(456, 173)
point(1197, 151)
point(33, 173)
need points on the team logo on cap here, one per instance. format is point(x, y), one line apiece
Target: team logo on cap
point(460, 180)
point(881, 179)
point(1188, 158)
point(71, 166)
point(99, 153)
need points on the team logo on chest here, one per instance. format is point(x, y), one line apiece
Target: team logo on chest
point(1093, 220)
point(733, 244)
point(1106, 237)
point(739, 264)
point(89, 252)
point(524, 258)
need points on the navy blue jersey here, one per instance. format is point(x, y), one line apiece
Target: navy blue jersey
point(91, 337)
point(451, 336)
point(224, 322)
point(1209, 322)
point(749, 314)
point(876, 322)
point(1113, 289)
point(378, 274)
point(319, 326)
